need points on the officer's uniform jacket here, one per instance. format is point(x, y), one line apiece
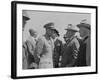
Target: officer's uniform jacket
point(44, 50)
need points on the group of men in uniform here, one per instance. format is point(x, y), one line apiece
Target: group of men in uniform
point(48, 51)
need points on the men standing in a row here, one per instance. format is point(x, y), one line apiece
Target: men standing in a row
point(70, 48)
point(45, 47)
point(84, 53)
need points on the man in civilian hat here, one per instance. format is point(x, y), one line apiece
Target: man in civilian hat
point(57, 48)
point(84, 58)
point(70, 48)
point(45, 47)
point(25, 18)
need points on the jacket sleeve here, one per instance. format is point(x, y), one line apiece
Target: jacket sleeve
point(76, 46)
point(39, 47)
point(88, 51)
point(24, 56)
point(30, 47)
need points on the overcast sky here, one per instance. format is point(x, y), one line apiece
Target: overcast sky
point(61, 19)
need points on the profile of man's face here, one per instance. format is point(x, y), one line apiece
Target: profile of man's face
point(83, 32)
point(70, 33)
point(33, 34)
point(48, 31)
point(24, 22)
point(54, 34)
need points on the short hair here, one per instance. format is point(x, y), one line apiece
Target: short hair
point(31, 30)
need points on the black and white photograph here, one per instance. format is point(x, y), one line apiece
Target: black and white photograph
point(54, 39)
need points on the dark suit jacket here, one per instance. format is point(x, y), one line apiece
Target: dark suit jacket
point(84, 52)
point(57, 52)
point(68, 52)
